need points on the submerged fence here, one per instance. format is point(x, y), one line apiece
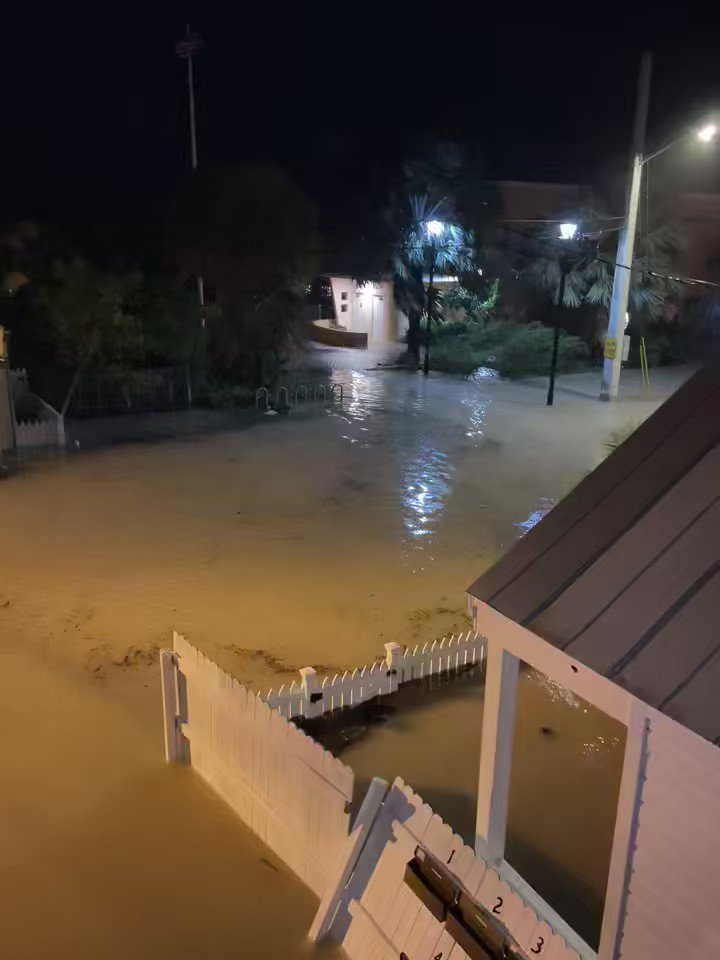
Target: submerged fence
point(401, 883)
point(310, 697)
point(280, 782)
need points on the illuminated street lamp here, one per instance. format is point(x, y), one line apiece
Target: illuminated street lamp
point(568, 232)
point(707, 133)
point(623, 261)
point(435, 228)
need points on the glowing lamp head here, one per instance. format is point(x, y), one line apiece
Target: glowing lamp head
point(707, 133)
point(568, 230)
point(435, 227)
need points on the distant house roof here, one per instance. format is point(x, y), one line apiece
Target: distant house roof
point(624, 573)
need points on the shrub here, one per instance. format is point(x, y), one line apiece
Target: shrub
point(224, 396)
point(514, 351)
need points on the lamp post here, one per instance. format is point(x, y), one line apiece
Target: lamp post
point(191, 44)
point(567, 233)
point(435, 230)
point(612, 359)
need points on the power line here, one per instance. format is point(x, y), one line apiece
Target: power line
point(691, 281)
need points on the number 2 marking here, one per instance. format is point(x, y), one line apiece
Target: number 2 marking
point(538, 948)
point(496, 908)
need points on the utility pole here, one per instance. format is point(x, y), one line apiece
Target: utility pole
point(623, 262)
point(185, 48)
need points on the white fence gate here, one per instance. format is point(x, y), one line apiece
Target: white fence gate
point(379, 917)
point(283, 785)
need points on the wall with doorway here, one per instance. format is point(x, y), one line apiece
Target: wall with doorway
point(366, 308)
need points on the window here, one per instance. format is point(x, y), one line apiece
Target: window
point(343, 308)
point(343, 296)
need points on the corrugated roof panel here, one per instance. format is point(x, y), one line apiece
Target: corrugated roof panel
point(658, 592)
point(534, 547)
point(678, 650)
point(595, 589)
point(535, 589)
point(697, 704)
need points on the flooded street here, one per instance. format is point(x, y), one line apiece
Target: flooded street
point(308, 539)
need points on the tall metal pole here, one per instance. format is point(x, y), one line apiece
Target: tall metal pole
point(556, 334)
point(623, 262)
point(185, 49)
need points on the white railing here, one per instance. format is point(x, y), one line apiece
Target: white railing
point(311, 697)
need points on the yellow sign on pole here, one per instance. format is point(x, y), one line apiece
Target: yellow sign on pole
point(610, 348)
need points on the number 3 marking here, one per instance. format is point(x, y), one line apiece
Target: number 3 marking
point(496, 908)
point(538, 948)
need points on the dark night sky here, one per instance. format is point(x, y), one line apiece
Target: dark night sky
point(94, 110)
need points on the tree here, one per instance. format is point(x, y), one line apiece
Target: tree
point(252, 236)
point(589, 279)
point(418, 250)
point(88, 319)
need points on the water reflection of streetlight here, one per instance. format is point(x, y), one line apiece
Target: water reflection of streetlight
point(424, 493)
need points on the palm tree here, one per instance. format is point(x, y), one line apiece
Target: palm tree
point(419, 249)
point(590, 266)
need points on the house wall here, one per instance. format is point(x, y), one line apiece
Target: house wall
point(369, 308)
point(664, 878)
point(672, 900)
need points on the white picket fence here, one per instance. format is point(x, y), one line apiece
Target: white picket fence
point(310, 697)
point(280, 782)
point(378, 916)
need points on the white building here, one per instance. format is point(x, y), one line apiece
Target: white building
point(615, 595)
point(365, 312)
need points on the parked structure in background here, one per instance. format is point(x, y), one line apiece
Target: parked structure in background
point(356, 314)
point(615, 595)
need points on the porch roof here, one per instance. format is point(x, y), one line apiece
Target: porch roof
point(624, 573)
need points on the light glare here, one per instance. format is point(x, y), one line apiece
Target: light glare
point(435, 227)
point(568, 230)
point(707, 133)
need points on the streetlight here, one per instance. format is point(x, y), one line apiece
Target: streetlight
point(623, 261)
point(434, 229)
point(567, 233)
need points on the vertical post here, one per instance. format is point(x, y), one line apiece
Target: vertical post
point(393, 658)
point(191, 102)
point(311, 687)
point(626, 242)
point(168, 677)
point(623, 848)
point(556, 333)
point(426, 360)
point(496, 750)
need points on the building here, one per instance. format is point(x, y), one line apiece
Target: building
point(615, 595)
point(356, 314)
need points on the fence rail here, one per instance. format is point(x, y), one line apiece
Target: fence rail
point(311, 697)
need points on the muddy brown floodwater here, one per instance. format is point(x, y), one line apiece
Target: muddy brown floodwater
point(311, 539)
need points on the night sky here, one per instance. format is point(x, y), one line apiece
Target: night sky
point(94, 108)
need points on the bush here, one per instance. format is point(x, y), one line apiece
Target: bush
point(225, 396)
point(514, 351)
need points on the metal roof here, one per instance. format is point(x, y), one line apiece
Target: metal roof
point(624, 573)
